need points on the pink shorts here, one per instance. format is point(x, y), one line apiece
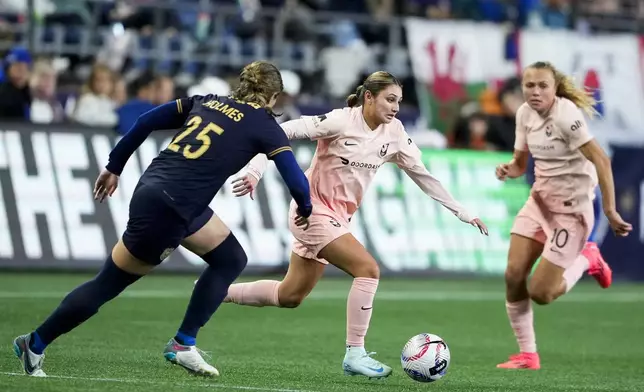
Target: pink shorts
point(324, 227)
point(563, 235)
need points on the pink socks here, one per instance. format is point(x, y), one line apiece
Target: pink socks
point(521, 320)
point(259, 293)
point(359, 307)
point(575, 271)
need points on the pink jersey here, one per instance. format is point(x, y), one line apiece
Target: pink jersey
point(565, 179)
point(348, 156)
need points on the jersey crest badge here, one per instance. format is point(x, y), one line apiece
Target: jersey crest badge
point(383, 150)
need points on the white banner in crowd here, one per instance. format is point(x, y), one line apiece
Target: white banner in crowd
point(612, 64)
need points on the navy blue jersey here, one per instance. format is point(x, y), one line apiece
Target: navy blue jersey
point(219, 137)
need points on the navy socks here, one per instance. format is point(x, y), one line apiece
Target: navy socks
point(225, 263)
point(81, 304)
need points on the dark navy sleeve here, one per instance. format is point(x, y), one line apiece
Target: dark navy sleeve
point(274, 143)
point(272, 138)
point(167, 116)
point(296, 181)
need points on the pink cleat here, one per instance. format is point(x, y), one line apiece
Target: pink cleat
point(597, 267)
point(522, 361)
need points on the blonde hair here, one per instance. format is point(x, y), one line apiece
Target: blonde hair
point(376, 82)
point(258, 82)
point(88, 87)
point(41, 68)
point(565, 87)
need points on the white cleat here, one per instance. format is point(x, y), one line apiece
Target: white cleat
point(358, 362)
point(189, 357)
point(31, 362)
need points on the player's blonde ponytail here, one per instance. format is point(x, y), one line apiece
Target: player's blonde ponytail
point(566, 88)
point(374, 83)
point(259, 81)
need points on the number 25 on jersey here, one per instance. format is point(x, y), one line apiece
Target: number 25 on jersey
point(203, 136)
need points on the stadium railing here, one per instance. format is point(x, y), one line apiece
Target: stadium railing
point(195, 52)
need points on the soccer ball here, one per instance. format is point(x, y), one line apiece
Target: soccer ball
point(425, 357)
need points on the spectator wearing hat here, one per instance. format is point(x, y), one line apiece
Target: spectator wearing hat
point(15, 97)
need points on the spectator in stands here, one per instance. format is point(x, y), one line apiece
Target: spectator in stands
point(490, 123)
point(298, 21)
point(502, 126)
point(45, 106)
point(163, 90)
point(119, 93)
point(601, 6)
point(554, 14)
point(432, 9)
point(95, 106)
point(286, 101)
point(15, 97)
point(143, 92)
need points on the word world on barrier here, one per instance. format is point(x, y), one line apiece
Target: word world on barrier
point(49, 220)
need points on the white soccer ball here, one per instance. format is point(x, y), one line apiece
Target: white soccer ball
point(425, 357)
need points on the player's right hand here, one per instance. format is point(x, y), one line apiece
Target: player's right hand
point(619, 226)
point(245, 185)
point(502, 171)
point(105, 185)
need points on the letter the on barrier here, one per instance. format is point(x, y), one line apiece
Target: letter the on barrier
point(37, 199)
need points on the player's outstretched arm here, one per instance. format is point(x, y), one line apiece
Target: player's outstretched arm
point(167, 116)
point(306, 127)
point(318, 127)
point(409, 159)
point(594, 153)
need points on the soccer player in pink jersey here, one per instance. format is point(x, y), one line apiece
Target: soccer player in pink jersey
point(352, 143)
point(557, 218)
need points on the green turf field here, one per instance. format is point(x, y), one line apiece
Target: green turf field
point(591, 340)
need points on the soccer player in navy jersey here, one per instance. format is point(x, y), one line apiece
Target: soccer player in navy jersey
point(216, 138)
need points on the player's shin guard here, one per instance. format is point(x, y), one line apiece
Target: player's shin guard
point(225, 263)
point(82, 303)
point(522, 322)
point(359, 307)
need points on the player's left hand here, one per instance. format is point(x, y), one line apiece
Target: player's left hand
point(245, 185)
point(476, 222)
point(619, 226)
point(302, 221)
point(105, 185)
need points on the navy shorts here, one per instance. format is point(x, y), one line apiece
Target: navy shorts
point(154, 229)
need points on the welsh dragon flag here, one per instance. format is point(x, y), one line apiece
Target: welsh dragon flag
point(453, 62)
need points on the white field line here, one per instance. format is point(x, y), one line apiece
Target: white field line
point(166, 383)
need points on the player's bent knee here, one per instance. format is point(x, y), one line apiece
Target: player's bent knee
point(291, 300)
point(228, 255)
point(542, 296)
point(514, 276)
point(367, 270)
